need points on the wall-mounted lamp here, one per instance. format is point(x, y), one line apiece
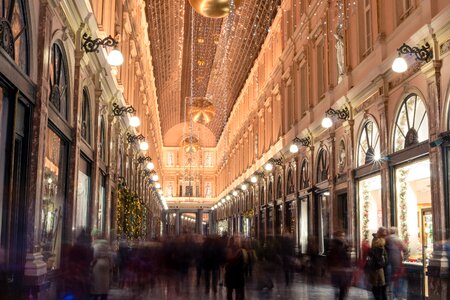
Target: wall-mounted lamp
point(305, 142)
point(119, 111)
point(142, 159)
point(115, 57)
point(244, 186)
point(132, 138)
point(423, 53)
point(341, 114)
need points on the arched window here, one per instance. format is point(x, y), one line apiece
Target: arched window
point(279, 188)
point(14, 30)
point(59, 80)
point(102, 146)
point(411, 126)
point(86, 117)
point(262, 199)
point(304, 175)
point(270, 192)
point(322, 165)
point(369, 144)
point(290, 187)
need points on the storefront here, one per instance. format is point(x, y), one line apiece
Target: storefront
point(303, 207)
point(410, 172)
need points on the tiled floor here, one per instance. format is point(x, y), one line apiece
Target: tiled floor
point(301, 288)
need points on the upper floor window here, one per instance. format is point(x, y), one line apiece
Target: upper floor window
point(365, 16)
point(304, 175)
point(290, 187)
point(59, 80)
point(411, 126)
point(279, 188)
point(403, 9)
point(369, 144)
point(14, 32)
point(86, 117)
point(102, 146)
point(322, 165)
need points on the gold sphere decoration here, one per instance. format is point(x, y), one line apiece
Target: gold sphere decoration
point(202, 110)
point(213, 8)
point(190, 144)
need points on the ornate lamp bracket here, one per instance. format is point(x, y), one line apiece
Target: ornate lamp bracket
point(121, 110)
point(341, 114)
point(423, 53)
point(131, 138)
point(92, 45)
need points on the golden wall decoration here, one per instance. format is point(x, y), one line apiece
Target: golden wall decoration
point(201, 110)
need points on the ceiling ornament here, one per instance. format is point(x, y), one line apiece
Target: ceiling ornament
point(201, 111)
point(190, 144)
point(213, 8)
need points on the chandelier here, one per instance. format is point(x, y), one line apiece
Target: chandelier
point(213, 8)
point(190, 144)
point(202, 110)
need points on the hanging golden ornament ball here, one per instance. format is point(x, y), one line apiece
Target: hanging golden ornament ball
point(202, 110)
point(213, 8)
point(190, 144)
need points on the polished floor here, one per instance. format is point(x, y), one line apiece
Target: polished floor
point(302, 287)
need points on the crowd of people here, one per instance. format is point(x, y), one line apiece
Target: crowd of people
point(93, 265)
point(380, 267)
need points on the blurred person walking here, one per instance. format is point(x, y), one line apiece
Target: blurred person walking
point(101, 268)
point(376, 263)
point(395, 271)
point(339, 265)
point(234, 269)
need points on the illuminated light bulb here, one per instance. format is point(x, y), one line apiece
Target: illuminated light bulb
point(158, 185)
point(399, 65)
point(293, 148)
point(235, 193)
point(253, 179)
point(327, 122)
point(150, 166)
point(135, 121)
point(115, 58)
point(228, 197)
point(155, 177)
point(213, 208)
point(143, 146)
point(243, 187)
point(326, 193)
point(160, 192)
point(268, 167)
point(223, 200)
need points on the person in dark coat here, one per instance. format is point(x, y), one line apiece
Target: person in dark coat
point(339, 264)
point(377, 270)
point(211, 262)
point(234, 269)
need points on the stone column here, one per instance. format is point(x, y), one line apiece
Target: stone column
point(177, 222)
point(35, 267)
point(199, 222)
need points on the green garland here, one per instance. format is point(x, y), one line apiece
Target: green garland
point(365, 211)
point(131, 214)
point(403, 204)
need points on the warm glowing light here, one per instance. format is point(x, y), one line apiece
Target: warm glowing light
point(327, 122)
point(135, 121)
point(254, 179)
point(223, 200)
point(268, 167)
point(376, 157)
point(150, 166)
point(399, 65)
point(160, 192)
point(228, 197)
point(326, 193)
point(49, 180)
point(293, 148)
point(155, 177)
point(235, 193)
point(143, 146)
point(213, 208)
point(158, 185)
point(115, 58)
point(243, 186)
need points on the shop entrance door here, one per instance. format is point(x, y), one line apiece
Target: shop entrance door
point(303, 222)
point(14, 130)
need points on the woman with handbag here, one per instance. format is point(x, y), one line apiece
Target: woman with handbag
point(376, 263)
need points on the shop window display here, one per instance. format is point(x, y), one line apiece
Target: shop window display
point(371, 213)
point(53, 199)
point(83, 195)
point(413, 200)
